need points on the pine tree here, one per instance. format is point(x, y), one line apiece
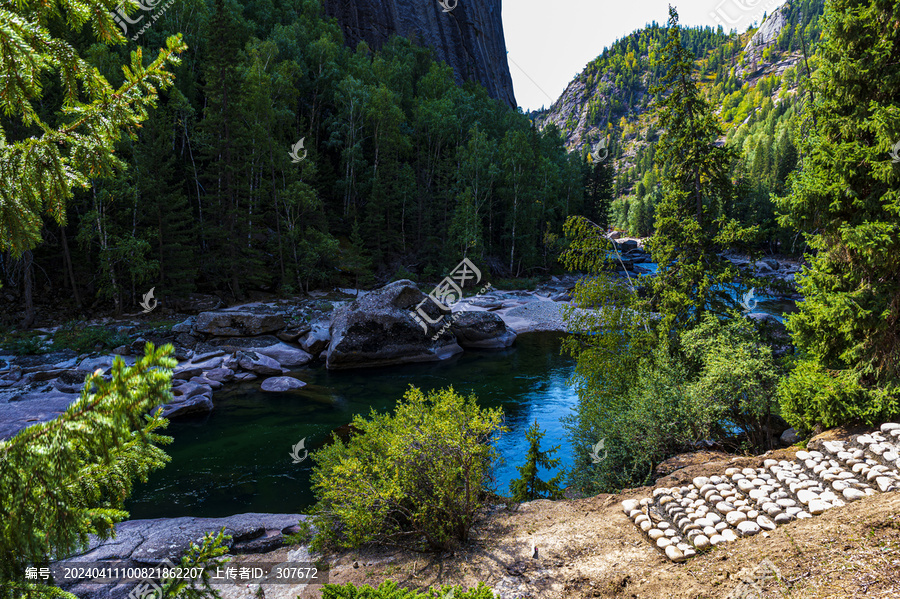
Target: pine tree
point(846, 200)
point(690, 231)
point(528, 486)
point(598, 190)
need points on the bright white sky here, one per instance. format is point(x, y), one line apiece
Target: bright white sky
point(551, 41)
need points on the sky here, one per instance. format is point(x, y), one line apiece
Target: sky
point(550, 42)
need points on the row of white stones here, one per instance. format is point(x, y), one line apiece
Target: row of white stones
point(717, 509)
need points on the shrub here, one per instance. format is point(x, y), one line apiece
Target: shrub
point(736, 379)
point(813, 397)
point(23, 344)
point(390, 590)
point(417, 476)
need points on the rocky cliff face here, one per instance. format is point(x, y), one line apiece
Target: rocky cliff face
point(469, 38)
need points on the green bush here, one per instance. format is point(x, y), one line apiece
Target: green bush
point(417, 476)
point(390, 590)
point(82, 338)
point(813, 397)
point(736, 378)
point(23, 344)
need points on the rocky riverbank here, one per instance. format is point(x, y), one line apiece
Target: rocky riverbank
point(268, 341)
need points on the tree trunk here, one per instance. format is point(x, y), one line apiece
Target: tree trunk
point(67, 258)
point(28, 259)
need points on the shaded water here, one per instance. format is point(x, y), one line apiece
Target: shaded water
point(237, 458)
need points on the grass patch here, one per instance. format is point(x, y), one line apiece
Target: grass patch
point(82, 338)
point(24, 343)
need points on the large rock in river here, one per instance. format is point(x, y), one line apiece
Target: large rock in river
point(379, 330)
point(481, 330)
point(238, 323)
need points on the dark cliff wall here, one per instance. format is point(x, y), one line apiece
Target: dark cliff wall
point(469, 38)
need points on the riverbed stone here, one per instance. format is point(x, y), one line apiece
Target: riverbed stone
point(280, 384)
point(223, 375)
point(258, 363)
point(317, 340)
point(238, 323)
point(481, 330)
point(285, 354)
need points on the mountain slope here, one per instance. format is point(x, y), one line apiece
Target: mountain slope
point(613, 91)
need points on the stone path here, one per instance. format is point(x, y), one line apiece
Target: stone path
point(718, 509)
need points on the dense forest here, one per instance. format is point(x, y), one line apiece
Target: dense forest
point(401, 173)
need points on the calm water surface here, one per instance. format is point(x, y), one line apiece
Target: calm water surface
point(237, 458)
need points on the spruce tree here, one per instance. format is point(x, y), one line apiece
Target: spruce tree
point(528, 486)
point(690, 229)
point(846, 200)
point(48, 149)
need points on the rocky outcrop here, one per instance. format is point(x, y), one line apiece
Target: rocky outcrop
point(469, 37)
point(767, 33)
point(481, 330)
point(379, 330)
point(148, 543)
point(237, 324)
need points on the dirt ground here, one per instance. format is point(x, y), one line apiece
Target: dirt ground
point(588, 548)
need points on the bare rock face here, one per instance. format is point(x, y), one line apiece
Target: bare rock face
point(379, 330)
point(469, 37)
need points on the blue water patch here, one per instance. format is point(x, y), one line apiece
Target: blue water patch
point(237, 459)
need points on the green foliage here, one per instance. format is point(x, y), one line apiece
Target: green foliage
point(691, 231)
point(642, 398)
point(58, 133)
point(23, 343)
point(82, 338)
point(736, 378)
point(68, 478)
point(417, 476)
point(529, 487)
point(210, 550)
point(846, 201)
point(390, 590)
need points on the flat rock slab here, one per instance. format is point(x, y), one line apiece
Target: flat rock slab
point(148, 542)
point(32, 408)
point(280, 384)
